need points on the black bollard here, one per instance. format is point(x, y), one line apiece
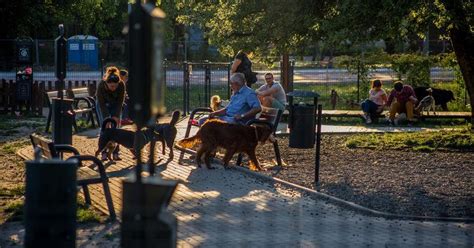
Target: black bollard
point(63, 120)
point(50, 203)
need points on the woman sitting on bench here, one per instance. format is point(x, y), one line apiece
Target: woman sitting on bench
point(376, 102)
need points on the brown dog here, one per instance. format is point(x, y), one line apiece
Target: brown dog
point(232, 137)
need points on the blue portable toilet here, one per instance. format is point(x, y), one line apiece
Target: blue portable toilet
point(84, 50)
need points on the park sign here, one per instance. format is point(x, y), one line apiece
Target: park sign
point(146, 83)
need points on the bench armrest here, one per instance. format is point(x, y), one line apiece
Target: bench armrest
point(94, 160)
point(85, 99)
point(60, 148)
point(199, 110)
point(257, 121)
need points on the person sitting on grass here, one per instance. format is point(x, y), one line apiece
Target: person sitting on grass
point(406, 100)
point(272, 94)
point(374, 105)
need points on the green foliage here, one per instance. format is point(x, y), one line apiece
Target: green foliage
point(460, 139)
point(414, 68)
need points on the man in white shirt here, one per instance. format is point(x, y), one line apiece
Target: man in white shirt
point(272, 94)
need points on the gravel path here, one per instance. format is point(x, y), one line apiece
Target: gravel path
point(395, 181)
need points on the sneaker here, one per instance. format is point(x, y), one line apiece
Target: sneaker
point(364, 115)
point(368, 120)
point(116, 157)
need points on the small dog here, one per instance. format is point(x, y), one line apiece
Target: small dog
point(167, 133)
point(427, 103)
point(215, 103)
point(233, 138)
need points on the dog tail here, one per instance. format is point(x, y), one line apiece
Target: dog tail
point(174, 118)
point(190, 142)
point(107, 120)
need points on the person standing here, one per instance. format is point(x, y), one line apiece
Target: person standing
point(272, 94)
point(243, 65)
point(110, 97)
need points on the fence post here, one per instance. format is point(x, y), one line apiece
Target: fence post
point(291, 72)
point(318, 147)
point(185, 88)
point(358, 81)
point(207, 83)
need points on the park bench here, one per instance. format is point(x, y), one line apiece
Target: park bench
point(272, 117)
point(83, 104)
point(269, 116)
point(85, 175)
point(358, 114)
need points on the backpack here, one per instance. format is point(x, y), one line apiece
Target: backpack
point(246, 68)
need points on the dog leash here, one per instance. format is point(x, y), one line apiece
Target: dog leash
point(256, 133)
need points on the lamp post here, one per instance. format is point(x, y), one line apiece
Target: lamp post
point(145, 220)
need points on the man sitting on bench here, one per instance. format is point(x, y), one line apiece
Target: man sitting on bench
point(243, 105)
point(272, 94)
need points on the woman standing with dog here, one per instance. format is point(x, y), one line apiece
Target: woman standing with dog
point(375, 103)
point(110, 97)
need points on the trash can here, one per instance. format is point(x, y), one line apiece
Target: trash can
point(302, 119)
point(24, 84)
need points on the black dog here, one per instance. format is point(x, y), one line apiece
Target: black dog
point(109, 137)
point(441, 97)
point(126, 138)
point(167, 133)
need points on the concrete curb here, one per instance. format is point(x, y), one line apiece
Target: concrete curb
point(340, 202)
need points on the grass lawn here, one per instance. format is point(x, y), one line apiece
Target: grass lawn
point(458, 139)
point(347, 93)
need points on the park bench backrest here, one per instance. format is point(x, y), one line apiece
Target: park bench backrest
point(271, 115)
point(47, 146)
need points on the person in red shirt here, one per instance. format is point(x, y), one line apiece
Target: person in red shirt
point(406, 100)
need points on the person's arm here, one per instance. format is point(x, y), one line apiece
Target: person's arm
point(255, 106)
point(121, 99)
point(219, 112)
point(267, 92)
point(390, 98)
point(101, 100)
point(235, 65)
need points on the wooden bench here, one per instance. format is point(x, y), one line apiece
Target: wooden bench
point(269, 116)
point(83, 104)
point(85, 175)
point(272, 117)
point(358, 113)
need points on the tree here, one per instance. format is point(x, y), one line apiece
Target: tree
point(272, 28)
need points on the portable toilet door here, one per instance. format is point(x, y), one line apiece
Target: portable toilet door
point(84, 50)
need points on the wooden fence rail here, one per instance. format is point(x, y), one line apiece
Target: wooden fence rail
point(9, 104)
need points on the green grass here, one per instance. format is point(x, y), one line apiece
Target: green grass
point(346, 91)
point(12, 147)
point(16, 191)
point(458, 139)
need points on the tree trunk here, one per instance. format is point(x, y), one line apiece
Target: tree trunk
point(284, 77)
point(462, 39)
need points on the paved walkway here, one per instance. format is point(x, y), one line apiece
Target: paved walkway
point(217, 208)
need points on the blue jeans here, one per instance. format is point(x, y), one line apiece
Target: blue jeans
point(369, 107)
point(225, 118)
